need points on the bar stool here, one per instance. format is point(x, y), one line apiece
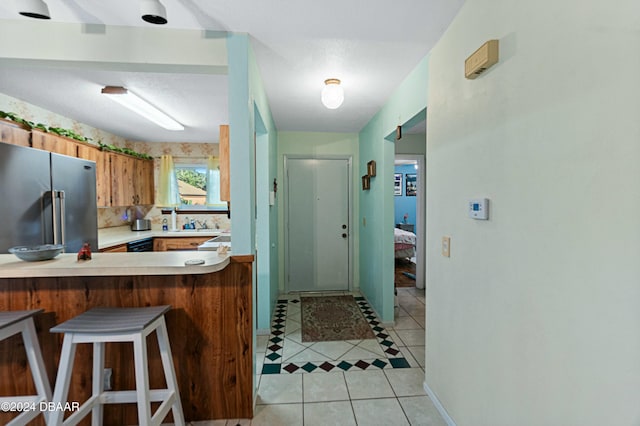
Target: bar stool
point(14, 322)
point(101, 325)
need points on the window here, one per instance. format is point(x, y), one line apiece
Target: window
point(197, 190)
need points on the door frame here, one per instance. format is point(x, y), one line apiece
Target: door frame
point(350, 206)
point(420, 216)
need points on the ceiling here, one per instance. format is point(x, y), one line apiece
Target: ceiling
point(370, 45)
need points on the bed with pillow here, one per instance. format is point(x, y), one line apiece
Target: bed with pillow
point(404, 243)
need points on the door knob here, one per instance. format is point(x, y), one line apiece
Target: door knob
point(344, 226)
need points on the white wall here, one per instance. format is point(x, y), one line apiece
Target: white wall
point(535, 317)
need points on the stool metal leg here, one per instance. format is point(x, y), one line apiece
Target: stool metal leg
point(142, 379)
point(61, 391)
point(170, 373)
point(97, 382)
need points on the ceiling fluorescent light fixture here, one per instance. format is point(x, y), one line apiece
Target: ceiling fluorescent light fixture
point(153, 12)
point(332, 94)
point(139, 106)
point(37, 9)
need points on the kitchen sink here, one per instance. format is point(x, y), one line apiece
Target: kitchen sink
point(220, 239)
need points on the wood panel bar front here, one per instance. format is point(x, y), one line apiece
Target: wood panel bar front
point(210, 331)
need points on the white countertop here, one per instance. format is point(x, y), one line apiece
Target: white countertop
point(114, 264)
point(109, 237)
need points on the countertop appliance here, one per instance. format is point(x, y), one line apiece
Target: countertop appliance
point(141, 225)
point(46, 198)
point(145, 244)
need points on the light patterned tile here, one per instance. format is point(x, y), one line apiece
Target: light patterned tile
point(368, 384)
point(307, 355)
point(291, 348)
point(406, 381)
point(379, 412)
point(332, 350)
point(372, 346)
point(278, 415)
point(324, 387)
point(421, 411)
point(359, 353)
point(413, 363)
point(418, 353)
point(280, 389)
point(329, 413)
point(412, 337)
point(406, 323)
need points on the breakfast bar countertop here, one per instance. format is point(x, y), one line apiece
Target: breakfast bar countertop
point(115, 264)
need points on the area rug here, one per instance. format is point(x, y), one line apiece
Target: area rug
point(405, 270)
point(330, 318)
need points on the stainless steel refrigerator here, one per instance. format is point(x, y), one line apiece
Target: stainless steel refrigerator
point(46, 198)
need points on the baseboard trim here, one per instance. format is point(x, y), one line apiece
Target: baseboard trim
point(436, 402)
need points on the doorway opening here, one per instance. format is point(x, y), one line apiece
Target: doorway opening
point(409, 204)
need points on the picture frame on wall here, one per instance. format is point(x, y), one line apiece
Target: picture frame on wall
point(371, 168)
point(397, 184)
point(366, 183)
point(411, 185)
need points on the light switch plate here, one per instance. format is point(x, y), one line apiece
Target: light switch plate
point(446, 246)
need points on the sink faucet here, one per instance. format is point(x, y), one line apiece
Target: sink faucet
point(203, 224)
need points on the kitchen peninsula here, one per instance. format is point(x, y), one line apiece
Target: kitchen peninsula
point(210, 324)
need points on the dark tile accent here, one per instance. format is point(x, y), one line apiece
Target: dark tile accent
point(271, 369)
point(275, 348)
point(291, 368)
point(387, 343)
point(282, 301)
point(277, 332)
point(273, 356)
point(379, 363)
point(294, 301)
point(327, 366)
point(399, 363)
point(308, 367)
point(344, 365)
point(275, 340)
point(382, 335)
point(278, 326)
point(362, 364)
point(392, 351)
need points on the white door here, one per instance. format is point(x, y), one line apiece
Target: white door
point(317, 228)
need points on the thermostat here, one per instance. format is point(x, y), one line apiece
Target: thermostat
point(479, 209)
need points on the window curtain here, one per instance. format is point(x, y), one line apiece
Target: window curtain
point(213, 182)
point(168, 193)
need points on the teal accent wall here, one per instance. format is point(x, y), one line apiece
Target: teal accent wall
point(376, 220)
point(252, 168)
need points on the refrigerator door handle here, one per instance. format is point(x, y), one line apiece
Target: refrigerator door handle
point(63, 217)
point(54, 213)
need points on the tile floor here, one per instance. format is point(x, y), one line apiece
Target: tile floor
point(366, 382)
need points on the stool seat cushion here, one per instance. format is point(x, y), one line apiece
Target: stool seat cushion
point(111, 320)
point(8, 318)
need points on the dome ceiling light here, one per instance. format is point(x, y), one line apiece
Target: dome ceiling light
point(36, 9)
point(332, 93)
point(153, 12)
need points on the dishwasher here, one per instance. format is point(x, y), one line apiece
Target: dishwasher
point(145, 244)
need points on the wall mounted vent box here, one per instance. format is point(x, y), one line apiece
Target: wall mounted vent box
point(481, 59)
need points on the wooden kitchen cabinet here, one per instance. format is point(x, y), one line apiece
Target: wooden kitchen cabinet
point(131, 180)
point(103, 172)
point(14, 133)
point(54, 143)
point(120, 248)
point(144, 182)
point(178, 243)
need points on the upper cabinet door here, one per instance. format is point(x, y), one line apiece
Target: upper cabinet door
point(144, 182)
point(122, 178)
point(103, 172)
point(53, 143)
point(14, 134)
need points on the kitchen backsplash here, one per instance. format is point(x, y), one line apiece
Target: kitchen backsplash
point(118, 216)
